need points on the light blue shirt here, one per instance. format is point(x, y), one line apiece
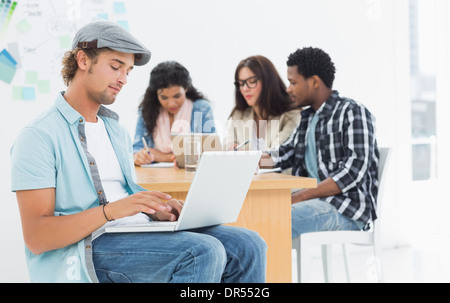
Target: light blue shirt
point(51, 152)
point(202, 121)
point(311, 152)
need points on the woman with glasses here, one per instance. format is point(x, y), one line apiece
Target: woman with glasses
point(264, 116)
point(171, 104)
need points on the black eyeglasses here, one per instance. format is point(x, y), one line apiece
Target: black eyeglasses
point(250, 82)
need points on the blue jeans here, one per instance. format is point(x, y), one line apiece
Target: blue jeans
point(214, 254)
point(316, 215)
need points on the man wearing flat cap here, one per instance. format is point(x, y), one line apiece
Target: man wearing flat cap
point(73, 174)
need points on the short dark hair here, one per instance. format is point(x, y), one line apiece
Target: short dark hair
point(313, 62)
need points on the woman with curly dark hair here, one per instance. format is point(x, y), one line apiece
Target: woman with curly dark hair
point(264, 115)
point(171, 104)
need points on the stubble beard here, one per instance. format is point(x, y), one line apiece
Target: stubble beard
point(101, 98)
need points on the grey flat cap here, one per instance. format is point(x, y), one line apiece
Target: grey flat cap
point(101, 34)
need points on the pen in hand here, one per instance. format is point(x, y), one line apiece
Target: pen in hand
point(241, 145)
point(145, 145)
point(147, 149)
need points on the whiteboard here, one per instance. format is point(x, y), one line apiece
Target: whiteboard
point(38, 35)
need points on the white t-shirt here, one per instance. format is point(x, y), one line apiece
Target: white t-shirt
point(113, 182)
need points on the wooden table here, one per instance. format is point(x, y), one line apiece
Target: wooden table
point(266, 210)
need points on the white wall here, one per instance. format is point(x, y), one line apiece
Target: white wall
point(367, 40)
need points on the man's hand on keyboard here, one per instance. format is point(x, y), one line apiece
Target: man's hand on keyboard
point(172, 215)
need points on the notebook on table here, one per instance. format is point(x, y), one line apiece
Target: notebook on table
point(216, 194)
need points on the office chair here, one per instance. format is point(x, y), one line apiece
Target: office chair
point(327, 238)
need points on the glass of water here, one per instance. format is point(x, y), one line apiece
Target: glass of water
point(192, 148)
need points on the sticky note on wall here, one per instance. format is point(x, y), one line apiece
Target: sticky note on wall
point(43, 86)
point(6, 72)
point(65, 41)
point(24, 26)
point(29, 93)
point(17, 93)
point(7, 66)
point(31, 77)
point(7, 58)
point(124, 24)
point(119, 8)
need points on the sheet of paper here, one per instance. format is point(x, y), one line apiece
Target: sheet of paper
point(268, 170)
point(159, 164)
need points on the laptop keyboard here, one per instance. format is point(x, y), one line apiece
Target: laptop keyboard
point(159, 223)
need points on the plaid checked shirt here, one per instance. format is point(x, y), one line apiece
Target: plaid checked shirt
point(346, 151)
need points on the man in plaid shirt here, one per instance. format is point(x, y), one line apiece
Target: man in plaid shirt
point(334, 143)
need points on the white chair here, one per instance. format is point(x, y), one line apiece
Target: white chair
point(328, 238)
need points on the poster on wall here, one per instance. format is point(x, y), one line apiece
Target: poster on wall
point(35, 34)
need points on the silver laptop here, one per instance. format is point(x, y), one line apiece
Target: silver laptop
point(210, 142)
point(216, 194)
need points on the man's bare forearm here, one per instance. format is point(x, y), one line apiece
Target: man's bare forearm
point(325, 188)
